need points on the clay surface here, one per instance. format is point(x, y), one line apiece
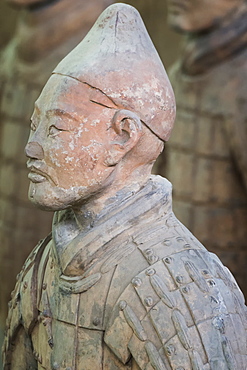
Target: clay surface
point(206, 158)
point(120, 283)
point(26, 63)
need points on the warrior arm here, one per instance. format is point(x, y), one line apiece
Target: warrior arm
point(23, 314)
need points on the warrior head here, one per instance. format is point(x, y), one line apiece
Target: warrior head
point(103, 116)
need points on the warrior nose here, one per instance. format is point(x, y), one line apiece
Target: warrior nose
point(34, 150)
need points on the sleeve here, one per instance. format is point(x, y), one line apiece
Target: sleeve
point(22, 314)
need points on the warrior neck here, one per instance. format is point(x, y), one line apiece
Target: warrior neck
point(204, 51)
point(77, 246)
point(117, 188)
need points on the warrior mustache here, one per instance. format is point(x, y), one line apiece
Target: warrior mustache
point(41, 169)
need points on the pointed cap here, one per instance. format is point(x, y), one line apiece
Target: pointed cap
point(118, 58)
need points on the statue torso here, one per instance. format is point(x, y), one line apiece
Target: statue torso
point(157, 301)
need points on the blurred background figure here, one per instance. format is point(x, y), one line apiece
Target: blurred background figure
point(207, 153)
point(42, 32)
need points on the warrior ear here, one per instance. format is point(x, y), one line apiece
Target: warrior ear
point(128, 129)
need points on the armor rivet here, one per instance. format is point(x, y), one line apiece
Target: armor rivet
point(167, 260)
point(211, 282)
point(150, 272)
point(170, 349)
point(213, 299)
point(180, 240)
point(152, 259)
point(148, 301)
point(179, 279)
point(25, 285)
point(44, 286)
point(55, 366)
point(149, 252)
point(186, 289)
point(205, 272)
point(136, 282)
point(187, 245)
point(122, 305)
point(96, 321)
point(167, 242)
point(219, 324)
point(45, 313)
point(179, 368)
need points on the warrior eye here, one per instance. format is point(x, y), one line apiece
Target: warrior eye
point(53, 130)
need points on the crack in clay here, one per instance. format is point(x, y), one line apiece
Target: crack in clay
point(103, 105)
point(92, 87)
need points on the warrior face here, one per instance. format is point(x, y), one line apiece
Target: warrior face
point(68, 145)
point(198, 15)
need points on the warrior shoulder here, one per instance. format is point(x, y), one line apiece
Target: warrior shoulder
point(185, 309)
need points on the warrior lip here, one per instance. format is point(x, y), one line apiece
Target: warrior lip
point(37, 176)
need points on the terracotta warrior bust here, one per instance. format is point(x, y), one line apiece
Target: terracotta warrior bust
point(120, 283)
point(206, 158)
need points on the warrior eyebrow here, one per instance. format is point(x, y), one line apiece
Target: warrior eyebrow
point(61, 113)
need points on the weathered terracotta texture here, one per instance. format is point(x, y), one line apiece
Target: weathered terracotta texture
point(39, 43)
point(206, 158)
point(120, 283)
